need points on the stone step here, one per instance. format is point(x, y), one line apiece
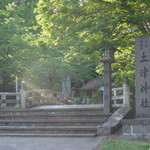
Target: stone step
point(54, 109)
point(46, 135)
point(47, 114)
point(56, 121)
point(52, 118)
point(49, 129)
point(48, 122)
point(53, 115)
point(52, 112)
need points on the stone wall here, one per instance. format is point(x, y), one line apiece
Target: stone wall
point(136, 129)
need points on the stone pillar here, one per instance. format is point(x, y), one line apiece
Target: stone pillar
point(16, 80)
point(66, 86)
point(107, 87)
point(126, 90)
point(142, 46)
point(17, 91)
point(108, 58)
point(139, 128)
point(23, 96)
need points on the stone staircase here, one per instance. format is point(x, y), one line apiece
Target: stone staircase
point(53, 122)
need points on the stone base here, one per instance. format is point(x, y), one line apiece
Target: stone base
point(136, 129)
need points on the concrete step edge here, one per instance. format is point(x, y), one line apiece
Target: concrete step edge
point(47, 135)
point(53, 109)
point(51, 120)
point(55, 115)
point(43, 128)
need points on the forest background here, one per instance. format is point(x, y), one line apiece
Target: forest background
point(44, 41)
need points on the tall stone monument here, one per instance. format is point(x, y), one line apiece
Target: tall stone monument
point(142, 46)
point(139, 127)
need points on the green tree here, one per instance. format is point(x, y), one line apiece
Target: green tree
point(13, 28)
point(89, 27)
point(68, 39)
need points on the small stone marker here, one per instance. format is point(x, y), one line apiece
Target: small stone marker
point(142, 45)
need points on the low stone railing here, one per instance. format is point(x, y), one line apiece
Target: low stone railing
point(27, 99)
point(118, 96)
point(121, 96)
point(45, 97)
point(9, 99)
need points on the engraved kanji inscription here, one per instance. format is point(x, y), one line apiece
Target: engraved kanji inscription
point(142, 76)
point(143, 57)
point(144, 72)
point(144, 88)
point(144, 103)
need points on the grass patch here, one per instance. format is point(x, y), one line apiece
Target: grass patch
point(124, 145)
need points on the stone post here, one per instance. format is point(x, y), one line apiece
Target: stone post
point(17, 96)
point(107, 88)
point(108, 58)
point(126, 90)
point(66, 86)
point(23, 96)
point(3, 98)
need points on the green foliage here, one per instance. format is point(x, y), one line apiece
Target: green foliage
point(87, 28)
point(13, 28)
point(124, 145)
point(44, 41)
point(96, 95)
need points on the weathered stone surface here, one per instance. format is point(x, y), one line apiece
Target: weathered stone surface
point(103, 130)
point(146, 129)
point(113, 122)
point(126, 129)
point(128, 136)
point(139, 128)
point(136, 129)
point(58, 121)
point(136, 137)
point(136, 121)
point(107, 87)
